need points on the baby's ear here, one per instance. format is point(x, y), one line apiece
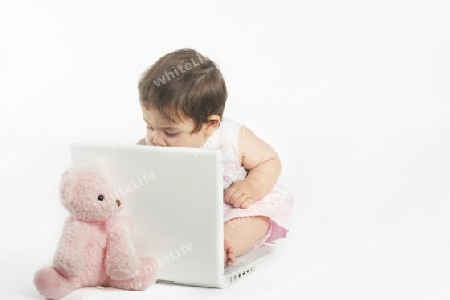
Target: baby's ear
point(212, 124)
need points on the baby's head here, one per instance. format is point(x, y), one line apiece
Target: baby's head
point(182, 98)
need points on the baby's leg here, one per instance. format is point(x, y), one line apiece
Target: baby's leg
point(244, 232)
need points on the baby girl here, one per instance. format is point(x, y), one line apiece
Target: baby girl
point(182, 97)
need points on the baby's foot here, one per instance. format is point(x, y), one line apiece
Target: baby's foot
point(228, 253)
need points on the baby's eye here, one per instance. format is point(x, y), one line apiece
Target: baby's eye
point(171, 134)
point(100, 197)
point(150, 128)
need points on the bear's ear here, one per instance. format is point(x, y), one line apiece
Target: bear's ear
point(99, 165)
point(68, 180)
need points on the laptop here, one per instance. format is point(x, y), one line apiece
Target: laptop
point(175, 196)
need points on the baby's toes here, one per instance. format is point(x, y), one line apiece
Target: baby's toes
point(231, 256)
point(228, 253)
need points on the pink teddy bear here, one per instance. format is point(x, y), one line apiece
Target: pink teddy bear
point(96, 247)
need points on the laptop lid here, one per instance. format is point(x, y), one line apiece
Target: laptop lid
point(175, 196)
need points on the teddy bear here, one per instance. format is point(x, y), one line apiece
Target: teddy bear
point(96, 246)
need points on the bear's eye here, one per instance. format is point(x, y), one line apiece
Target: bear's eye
point(100, 197)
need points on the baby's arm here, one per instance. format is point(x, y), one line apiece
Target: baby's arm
point(141, 142)
point(264, 168)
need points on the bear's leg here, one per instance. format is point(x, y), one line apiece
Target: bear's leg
point(53, 285)
point(141, 280)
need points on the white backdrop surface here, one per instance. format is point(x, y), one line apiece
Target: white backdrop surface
point(354, 96)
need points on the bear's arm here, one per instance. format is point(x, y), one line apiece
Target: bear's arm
point(69, 256)
point(121, 261)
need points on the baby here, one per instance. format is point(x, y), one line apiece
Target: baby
point(182, 97)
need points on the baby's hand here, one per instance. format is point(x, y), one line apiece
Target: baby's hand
point(240, 194)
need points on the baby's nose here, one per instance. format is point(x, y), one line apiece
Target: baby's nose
point(157, 140)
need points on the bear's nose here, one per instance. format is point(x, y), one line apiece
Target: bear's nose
point(118, 202)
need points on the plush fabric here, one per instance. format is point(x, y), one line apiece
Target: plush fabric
point(96, 246)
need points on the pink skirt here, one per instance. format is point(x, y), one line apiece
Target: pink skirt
point(276, 206)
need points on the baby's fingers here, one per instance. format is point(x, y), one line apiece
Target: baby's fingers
point(228, 196)
point(247, 202)
point(236, 197)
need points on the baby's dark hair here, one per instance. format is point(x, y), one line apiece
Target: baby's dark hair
point(184, 83)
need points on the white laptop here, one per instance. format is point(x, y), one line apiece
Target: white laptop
point(175, 196)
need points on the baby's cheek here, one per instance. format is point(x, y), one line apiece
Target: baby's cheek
point(179, 142)
point(148, 139)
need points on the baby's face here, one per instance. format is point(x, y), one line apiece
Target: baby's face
point(163, 132)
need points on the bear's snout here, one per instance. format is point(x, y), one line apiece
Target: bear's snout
point(118, 202)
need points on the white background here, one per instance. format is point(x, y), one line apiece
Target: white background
point(354, 96)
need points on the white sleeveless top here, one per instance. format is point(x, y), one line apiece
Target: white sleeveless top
point(277, 204)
